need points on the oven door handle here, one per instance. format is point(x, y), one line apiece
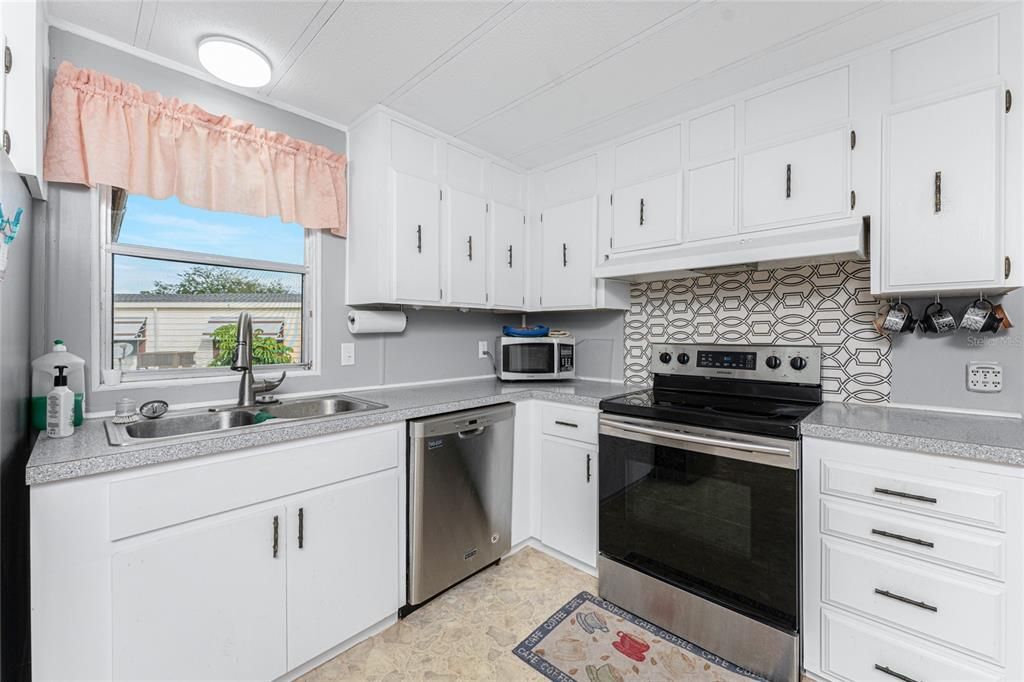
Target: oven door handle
point(735, 448)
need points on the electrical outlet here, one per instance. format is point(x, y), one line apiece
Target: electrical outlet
point(481, 349)
point(984, 377)
point(348, 354)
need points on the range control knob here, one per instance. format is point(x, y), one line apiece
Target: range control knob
point(798, 363)
point(665, 358)
point(773, 362)
point(683, 358)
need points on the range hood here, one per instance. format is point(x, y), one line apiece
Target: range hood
point(753, 251)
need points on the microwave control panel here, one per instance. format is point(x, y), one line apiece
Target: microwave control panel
point(566, 359)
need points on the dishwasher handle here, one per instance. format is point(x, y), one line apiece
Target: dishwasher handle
point(472, 433)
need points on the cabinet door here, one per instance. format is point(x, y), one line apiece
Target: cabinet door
point(646, 214)
point(467, 255)
point(567, 255)
point(343, 575)
point(508, 229)
point(797, 182)
point(711, 203)
point(207, 602)
point(417, 239)
point(942, 195)
point(569, 499)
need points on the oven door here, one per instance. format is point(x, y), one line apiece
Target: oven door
point(529, 360)
point(710, 512)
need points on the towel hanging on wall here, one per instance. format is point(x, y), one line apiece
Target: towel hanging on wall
point(106, 131)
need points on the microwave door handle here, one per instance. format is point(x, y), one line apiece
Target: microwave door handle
point(694, 439)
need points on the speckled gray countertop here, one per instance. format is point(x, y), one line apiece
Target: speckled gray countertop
point(993, 439)
point(89, 452)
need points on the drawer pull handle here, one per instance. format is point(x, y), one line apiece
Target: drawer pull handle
point(569, 424)
point(302, 524)
point(893, 673)
point(907, 496)
point(902, 538)
point(907, 600)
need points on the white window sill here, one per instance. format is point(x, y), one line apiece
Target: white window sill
point(190, 381)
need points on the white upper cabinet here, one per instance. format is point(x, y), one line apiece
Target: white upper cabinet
point(465, 171)
point(414, 152)
point(417, 233)
point(795, 167)
point(645, 201)
point(942, 224)
point(950, 148)
point(710, 206)
point(467, 252)
point(435, 222)
point(567, 255)
point(26, 89)
point(646, 214)
point(653, 154)
point(795, 109)
point(508, 254)
point(797, 182)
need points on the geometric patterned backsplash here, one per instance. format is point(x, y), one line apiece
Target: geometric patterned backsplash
point(828, 305)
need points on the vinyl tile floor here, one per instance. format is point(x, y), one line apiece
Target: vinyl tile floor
point(467, 633)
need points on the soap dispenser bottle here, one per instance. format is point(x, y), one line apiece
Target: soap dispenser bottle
point(60, 406)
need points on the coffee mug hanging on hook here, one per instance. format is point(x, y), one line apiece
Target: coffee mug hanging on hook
point(937, 319)
point(981, 316)
point(895, 319)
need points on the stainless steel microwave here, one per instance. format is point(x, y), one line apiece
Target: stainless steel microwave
point(533, 358)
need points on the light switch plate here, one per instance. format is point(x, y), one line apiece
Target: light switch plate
point(348, 354)
point(481, 349)
point(984, 377)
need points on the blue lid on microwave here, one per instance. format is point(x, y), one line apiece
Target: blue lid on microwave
point(536, 330)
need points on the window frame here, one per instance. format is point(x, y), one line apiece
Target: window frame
point(103, 321)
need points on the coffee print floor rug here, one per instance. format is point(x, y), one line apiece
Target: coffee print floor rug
point(591, 640)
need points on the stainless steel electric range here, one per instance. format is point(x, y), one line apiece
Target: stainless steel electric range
point(699, 514)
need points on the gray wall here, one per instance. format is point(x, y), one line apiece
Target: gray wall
point(15, 437)
point(932, 371)
point(436, 345)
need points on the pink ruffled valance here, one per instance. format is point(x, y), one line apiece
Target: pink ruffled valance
point(106, 131)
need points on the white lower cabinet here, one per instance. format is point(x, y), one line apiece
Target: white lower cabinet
point(342, 569)
point(913, 565)
point(568, 483)
point(203, 602)
point(240, 566)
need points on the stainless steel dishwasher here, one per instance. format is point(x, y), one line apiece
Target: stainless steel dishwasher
point(460, 497)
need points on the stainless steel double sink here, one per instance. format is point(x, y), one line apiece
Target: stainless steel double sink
point(213, 420)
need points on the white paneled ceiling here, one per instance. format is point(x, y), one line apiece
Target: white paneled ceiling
point(531, 81)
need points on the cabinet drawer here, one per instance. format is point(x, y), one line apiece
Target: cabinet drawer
point(907, 489)
point(146, 503)
point(963, 613)
point(566, 422)
point(972, 550)
point(853, 649)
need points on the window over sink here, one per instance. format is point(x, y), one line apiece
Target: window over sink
point(175, 279)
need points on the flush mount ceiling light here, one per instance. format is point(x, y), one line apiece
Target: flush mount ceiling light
point(234, 61)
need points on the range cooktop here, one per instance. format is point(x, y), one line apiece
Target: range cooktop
point(766, 390)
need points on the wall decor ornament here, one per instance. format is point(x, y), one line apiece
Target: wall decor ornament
point(826, 304)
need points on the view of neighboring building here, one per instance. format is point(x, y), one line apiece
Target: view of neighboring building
point(170, 331)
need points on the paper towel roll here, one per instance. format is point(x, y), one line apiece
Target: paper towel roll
point(376, 321)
